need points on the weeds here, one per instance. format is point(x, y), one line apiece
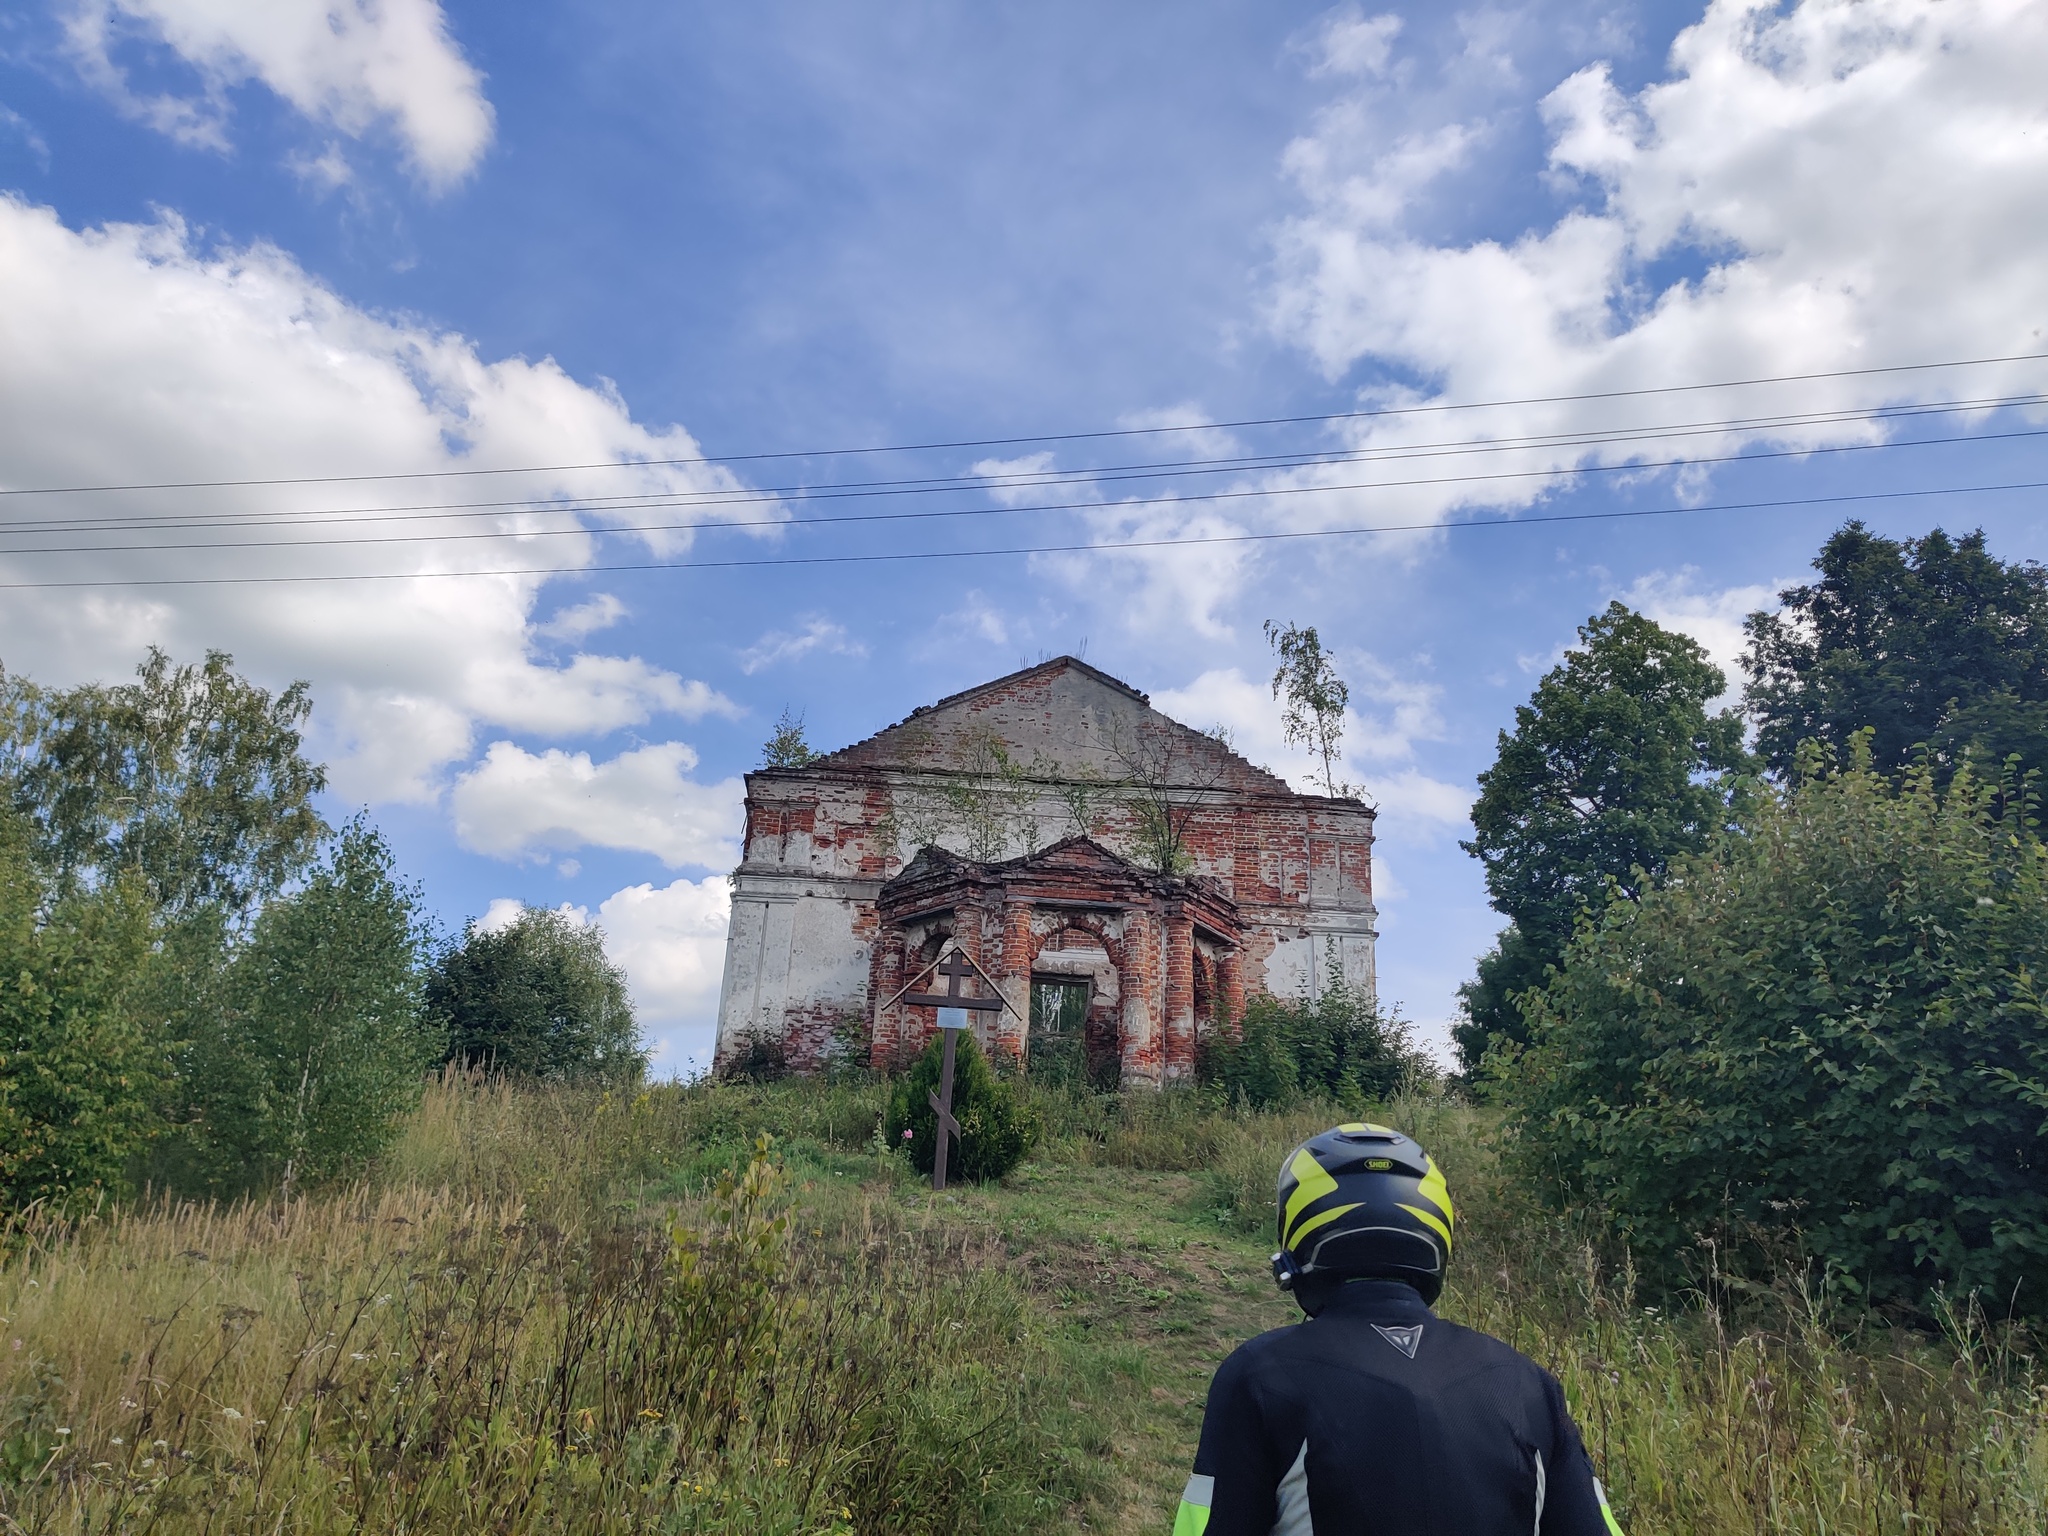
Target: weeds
point(567, 1309)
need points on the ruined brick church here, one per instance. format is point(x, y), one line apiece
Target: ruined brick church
point(1120, 881)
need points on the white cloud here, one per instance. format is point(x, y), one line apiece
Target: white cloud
point(519, 804)
point(1853, 184)
point(133, 354)
point(503, 912)
point(348, 65)
point(816, 634)
point(1674, 599)
point(601, 611)
point(670, 941)
point(1379, 741)
point(1020, 482)
point(1348, 42)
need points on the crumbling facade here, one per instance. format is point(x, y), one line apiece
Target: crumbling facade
point(1107, 869)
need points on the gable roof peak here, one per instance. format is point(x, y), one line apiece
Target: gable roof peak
point(1037, 669)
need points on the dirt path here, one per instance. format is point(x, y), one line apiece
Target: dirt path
point(1143, 1291)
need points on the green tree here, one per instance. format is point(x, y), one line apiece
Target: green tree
point(997, 1128)
point(787, 748)
point(1931, 641)
point(1615, 765)
point(1825, 1035)
point(191, 777)
point(537, 998)
point(311, 1043)
point(80, 1074)
point(1316, 698)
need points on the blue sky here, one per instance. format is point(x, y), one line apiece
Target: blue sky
point(275, 239)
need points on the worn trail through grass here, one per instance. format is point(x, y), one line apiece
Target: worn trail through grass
point(567, 1311)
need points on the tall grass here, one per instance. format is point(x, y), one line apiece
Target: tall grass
point(484, 1353)
point(1778, 1410)
point(587, 1312)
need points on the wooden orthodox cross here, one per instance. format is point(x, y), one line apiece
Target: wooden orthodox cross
point(953, 1008)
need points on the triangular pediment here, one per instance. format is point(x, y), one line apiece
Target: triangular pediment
point(1060, 720)
point(1073, 853)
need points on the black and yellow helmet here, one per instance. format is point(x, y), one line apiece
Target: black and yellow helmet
point(1361, 1201)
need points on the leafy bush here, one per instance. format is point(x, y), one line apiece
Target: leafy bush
point(314, 1045)
point(537, 998)
point(1337, 1045)
point(1826, 1033)
point(997, 1128)
point(79, 1074)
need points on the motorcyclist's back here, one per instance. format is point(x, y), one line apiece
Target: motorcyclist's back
point(1375, 1415)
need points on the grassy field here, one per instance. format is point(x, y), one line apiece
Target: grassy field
point(567, 1311)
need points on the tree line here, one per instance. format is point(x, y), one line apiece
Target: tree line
point(1769, 989)
point(206, 988)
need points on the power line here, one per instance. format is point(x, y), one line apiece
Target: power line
point(1043, 437)
point(1255, 493)
point(1031, 549)
point(1170, 469)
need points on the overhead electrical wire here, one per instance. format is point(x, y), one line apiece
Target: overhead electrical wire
point(1253, 493)
point(1043, 437)
point(1391, 453)
point(1105, 547)
point(840, 490)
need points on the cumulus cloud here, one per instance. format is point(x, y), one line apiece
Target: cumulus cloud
point(519, 804)
point(671, 940)
point(1837, 185)
point(1391, 714)
point(815, 633)
point(584, 618)
point(351, 66)
point(1712, 617)
point(137, 354)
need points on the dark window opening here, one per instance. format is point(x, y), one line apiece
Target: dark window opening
point(1057, 1043)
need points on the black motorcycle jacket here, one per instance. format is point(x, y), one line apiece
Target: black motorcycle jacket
point(1376, 1416)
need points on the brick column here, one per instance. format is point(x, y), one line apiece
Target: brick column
point(1143, 997)
point(1230, 985)
point(1013, 977)
point(1177, 1058)
point(885, 976)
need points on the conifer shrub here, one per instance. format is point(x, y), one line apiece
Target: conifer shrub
point(997, 1128)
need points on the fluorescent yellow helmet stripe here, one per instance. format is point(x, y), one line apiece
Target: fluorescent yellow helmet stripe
point(1437, 1193)
point(1294, 1238)
point(1430, 1220)
point(1311, 1183)
point(1362, 1127)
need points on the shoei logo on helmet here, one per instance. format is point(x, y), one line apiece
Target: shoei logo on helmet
point(1379, 1164)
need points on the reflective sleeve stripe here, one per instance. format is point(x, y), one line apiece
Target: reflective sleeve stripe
point(1195, 1500)
point(1542, 1480)
point(1607, 1514)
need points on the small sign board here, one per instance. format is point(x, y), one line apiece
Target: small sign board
point(952, 1018)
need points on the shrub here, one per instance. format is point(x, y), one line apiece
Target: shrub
point(1337, 1046)
point(997, 1128)
point(537, 998)
point(314, 1046)
point(1826, 1033)
point(79, 1074)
